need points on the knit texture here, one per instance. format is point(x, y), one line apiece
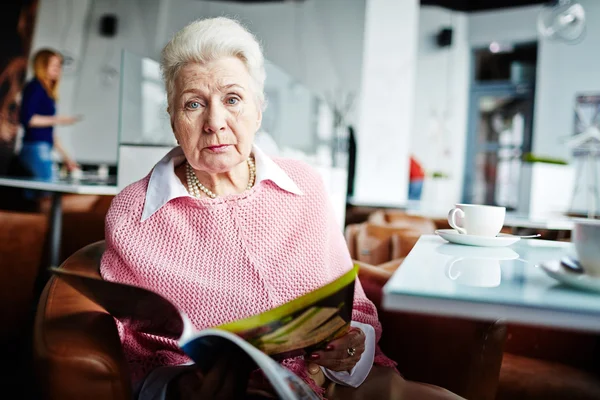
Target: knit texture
point(223, 259)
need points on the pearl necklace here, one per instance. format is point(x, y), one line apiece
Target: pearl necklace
point(195, 187)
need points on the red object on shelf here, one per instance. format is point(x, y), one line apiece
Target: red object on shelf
point(416, 170)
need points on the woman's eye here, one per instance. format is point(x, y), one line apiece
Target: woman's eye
point(193, 105)
point(232, 101)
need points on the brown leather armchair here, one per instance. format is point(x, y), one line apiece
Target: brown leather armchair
point(376, 244)
point(77, 353)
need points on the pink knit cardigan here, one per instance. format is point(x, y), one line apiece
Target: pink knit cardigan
point(227, 258)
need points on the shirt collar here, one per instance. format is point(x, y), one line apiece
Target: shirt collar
point(165, 186)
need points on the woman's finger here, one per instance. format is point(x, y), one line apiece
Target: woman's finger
point(345, 356)
point(339, 348)
point(341, 354)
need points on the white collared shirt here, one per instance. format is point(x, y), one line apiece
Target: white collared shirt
point(164, 186)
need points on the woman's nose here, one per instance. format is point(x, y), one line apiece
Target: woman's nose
point(216, 121)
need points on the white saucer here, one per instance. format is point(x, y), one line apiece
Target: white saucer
point(453, 236)
point(580, 281)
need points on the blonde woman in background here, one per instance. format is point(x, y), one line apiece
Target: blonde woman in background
point(38, 116)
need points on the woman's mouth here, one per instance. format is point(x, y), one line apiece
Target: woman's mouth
point(218, 148)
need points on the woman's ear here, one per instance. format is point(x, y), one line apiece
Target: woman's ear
point(173, 129)
point(259, 119)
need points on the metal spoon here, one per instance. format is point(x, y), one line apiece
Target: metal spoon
point(524, 237)
point(572, 264)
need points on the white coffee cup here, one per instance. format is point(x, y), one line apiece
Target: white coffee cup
point(586, 237)
point(475, 219)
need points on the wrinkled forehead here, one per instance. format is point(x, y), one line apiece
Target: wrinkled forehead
point(215, 76)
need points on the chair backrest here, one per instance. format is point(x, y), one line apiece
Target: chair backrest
point(375, 249)
point(403, 237)
point(399, 218)
point(77, 351)
point(83, 221)
point(376, 244)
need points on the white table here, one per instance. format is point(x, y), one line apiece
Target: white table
point(57, 188)
point(490, 284)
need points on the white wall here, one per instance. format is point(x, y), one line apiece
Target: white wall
point(387, 101)
point(289, 117)
point(441, 98)
point(74, 26)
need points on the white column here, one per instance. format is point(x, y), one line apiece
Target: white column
point(386, 104)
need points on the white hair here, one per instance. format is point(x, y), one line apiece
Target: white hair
point(206, 40)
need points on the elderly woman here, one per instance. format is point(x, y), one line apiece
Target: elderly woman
point(226, 232)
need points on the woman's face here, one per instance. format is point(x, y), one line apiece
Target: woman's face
point(215, 114)
point(54, 68)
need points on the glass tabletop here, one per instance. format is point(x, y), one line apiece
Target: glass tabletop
point(505, 276)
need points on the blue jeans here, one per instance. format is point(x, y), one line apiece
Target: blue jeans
point(37, 158)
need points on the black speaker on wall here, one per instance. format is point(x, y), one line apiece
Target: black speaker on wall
point(108, 25)
point(444, 37)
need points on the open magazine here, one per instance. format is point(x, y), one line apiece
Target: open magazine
point(298, 327)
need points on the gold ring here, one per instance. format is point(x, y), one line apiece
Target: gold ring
point(351, 351)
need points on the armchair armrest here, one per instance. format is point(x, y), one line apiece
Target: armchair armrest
point(461, 355)
point(378, 274)
point(77, 351)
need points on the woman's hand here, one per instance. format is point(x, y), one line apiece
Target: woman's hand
point(343, 353)
point(66, 120)
point(71, 165)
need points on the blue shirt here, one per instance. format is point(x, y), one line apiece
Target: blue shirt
point(36, 101)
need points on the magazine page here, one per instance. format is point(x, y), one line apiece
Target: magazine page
point(142, 309)
point(208, 345)
point(302, 325)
